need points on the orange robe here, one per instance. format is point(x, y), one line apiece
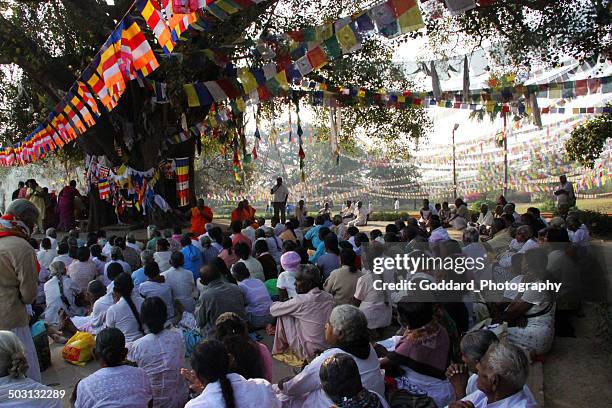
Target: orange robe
point(240, 214)
point(199, 218)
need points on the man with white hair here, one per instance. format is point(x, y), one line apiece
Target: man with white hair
point(19, 275)
point(502, 374)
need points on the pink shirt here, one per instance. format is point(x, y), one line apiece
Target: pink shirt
point(266, 361)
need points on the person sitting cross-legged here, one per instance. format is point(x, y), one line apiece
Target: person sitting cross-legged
point(301, 321)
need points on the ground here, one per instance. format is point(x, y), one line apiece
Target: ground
point(575, 371)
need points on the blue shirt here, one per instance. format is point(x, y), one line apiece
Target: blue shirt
point(193, 260)
point(138, 276)
point(318, 253)
point(327, 263)
point(313, 235)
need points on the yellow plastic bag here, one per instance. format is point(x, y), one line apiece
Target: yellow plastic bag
point(79, 348)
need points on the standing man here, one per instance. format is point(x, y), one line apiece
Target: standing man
point(279, 201)
point(565, 193)
point(396, 205)
point(19, 276)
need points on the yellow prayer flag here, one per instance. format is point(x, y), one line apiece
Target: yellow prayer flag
point(411, 20)
point(323, 32)
point(227, 7)
point(281, 78)
point(346, 37)
point(249, 83)
point(192, 97)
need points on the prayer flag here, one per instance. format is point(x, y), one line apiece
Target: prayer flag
point(348, 39)
point(382, 14)
point(136, 52)
point(411, 20)
point(88, 98)
point(317, 57)
point(460, 6)
point(216, 91)
point(249, 83)
point(104, 189)
point(74, 119)
point(154, 19)
point(82, 109)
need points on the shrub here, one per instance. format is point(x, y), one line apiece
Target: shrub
point(388, 216)
point(475, 206)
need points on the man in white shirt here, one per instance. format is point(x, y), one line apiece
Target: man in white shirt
point(485, 218)
point(432, 208)
point(279, 202)
point(181, 282)
point(565, 193)
point(130, 241)
point(361, 216)
point(578, 232)
point(396, 205)
point(348, 212)
point(502, 374)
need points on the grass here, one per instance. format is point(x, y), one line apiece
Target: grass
point(602, 205)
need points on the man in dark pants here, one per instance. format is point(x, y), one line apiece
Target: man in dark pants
point(280, 194)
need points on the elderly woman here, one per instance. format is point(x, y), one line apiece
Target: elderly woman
point(530, 314)
point(18, 275)
point(60, 294)
point(346, 332)
point(502, 374)
point(420, 358)
point(13, 367)
point(474, 345)
point(523, 242)
point(300, 324)
point(341, 381)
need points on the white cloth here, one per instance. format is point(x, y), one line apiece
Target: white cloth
point(120, 316)
point(249, 232)
point(485, 219)
point(162, 356)
point(53, 243)
point(161, 290)
point(286, 280)
point(67, 260)
point(361, 217)
point(45, 257)
point(163, 260)
point(433, 210)
point(54, 301)
point(375, 304)
point(252, 393)
point(183, 287)
point(538, 335)
point(255, 268)
point(304, 390)
point(519, 248)
point(580, 237)
point(519, 400)
point(440, 391)
point(115, 387)
point(98, 313)
point(26, 384)
point(161, 203)
point(134, 246)
point(396, 205)
point(25, 335)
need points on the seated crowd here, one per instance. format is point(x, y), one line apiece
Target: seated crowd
point(311, 284)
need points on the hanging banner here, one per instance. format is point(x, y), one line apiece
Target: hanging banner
point(182, 181)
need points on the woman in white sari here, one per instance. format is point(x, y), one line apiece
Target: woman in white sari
point(13, 380)
point(346, 332)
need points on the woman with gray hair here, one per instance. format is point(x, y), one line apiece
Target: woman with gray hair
point(60, 294)
point(300, 324)
point(25, 391)
point(502, 375)
point(346, 332)
point(18, 275)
